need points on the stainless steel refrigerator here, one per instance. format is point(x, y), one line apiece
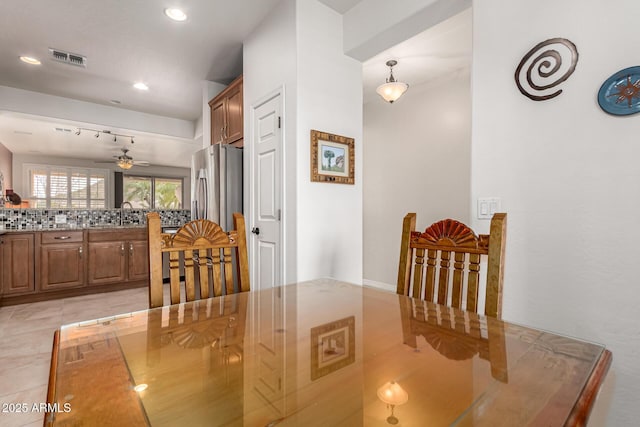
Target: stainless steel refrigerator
point(216, 184)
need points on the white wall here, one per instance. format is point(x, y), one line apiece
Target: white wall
point(569, 179)
point(329, 100)
point(417, 158)
point(298, 47)
point(269, 64)
point(40, 104)
point(6, 169)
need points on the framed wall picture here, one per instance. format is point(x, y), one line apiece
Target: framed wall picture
point(333, 346)
point(332, 158)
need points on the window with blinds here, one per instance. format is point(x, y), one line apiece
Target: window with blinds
point(66, 187)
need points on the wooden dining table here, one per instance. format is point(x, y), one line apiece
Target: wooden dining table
point(319, 353)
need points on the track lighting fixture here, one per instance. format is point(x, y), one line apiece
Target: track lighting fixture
point(106, 132)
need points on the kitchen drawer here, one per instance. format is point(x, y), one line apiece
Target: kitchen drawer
point(117, 234)
point(49, 237)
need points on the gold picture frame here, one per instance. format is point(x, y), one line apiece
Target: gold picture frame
point(333, 346)
point(332, 158)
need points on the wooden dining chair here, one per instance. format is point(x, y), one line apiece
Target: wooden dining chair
point(204, 252)
point(444, 282)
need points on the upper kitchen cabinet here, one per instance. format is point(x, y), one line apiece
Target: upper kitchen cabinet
point(227, 115)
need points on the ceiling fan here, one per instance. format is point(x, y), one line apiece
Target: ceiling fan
point(125, 161)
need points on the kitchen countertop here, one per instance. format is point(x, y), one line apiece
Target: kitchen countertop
point(100, 227)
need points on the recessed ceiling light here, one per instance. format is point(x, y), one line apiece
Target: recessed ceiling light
point(29, 60)
point(141, 86)
point(175, 14)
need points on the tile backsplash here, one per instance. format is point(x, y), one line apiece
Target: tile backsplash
point(46, 219)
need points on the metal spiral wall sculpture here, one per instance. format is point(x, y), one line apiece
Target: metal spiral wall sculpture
point(544, 67)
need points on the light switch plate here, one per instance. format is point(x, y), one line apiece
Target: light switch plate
point(61, 219)
point(487, 206)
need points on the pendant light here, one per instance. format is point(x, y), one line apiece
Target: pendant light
point(392, 89)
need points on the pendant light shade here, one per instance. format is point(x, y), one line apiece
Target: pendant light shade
point(392, 89)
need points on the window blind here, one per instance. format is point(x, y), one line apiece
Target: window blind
point(66, 187)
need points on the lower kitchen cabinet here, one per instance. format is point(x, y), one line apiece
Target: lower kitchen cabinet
point(118, 256)
point(138, 260)
point(62, 262)
point(106, 262)
point(41, 265)
point(17, 263)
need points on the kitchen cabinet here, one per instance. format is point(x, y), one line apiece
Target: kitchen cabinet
point(117, 256)
point(227, 116)
point(43, 265)
point(106, 262)
point(62, 262)
point(138, 265)
point(17, 260)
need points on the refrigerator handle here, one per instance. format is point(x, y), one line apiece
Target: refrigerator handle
point(206, 198)
point(202, 196)
point(222, 177)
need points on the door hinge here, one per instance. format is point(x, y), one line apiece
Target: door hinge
point(279, 122)
point(279, 214)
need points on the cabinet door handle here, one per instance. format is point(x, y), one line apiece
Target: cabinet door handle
point(122, 249)
point(222, 134)
point(62, 237)
point(131, 249)
point(80, 251)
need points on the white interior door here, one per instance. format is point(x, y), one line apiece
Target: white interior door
point(267, 188)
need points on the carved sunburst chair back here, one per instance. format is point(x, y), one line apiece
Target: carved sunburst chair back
point(442, 264)
point(202, 252)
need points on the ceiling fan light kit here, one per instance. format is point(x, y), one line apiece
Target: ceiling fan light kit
point(392, 89)
point(126, 162)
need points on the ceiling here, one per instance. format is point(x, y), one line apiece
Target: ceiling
point(123, 44)
point(126, 42)
point(138, 42)
point(41, 136)
point(436, 52)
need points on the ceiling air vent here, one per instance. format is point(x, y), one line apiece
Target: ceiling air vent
point(68, 58)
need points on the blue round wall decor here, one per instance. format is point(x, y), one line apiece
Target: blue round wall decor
point(620, 94)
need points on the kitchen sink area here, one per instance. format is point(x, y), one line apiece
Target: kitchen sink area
point(49, 254)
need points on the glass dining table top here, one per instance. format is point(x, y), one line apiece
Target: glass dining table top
point(320, 353)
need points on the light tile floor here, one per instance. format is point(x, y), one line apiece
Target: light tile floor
point(26, 338)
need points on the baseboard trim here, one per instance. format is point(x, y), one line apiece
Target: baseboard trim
point(379, 285)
